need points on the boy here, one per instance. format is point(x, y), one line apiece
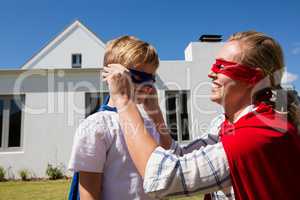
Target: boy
point(99, 151)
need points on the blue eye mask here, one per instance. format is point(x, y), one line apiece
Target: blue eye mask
point(141, 77)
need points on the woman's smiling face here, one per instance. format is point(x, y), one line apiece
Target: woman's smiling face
point(226, 91)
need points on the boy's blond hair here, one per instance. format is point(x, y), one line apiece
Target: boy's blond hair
point(130, 51)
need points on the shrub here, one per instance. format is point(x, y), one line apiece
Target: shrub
point(2, 174)
point(24, 174)
point(54, 172)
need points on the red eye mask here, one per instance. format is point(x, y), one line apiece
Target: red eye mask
point(238, 72)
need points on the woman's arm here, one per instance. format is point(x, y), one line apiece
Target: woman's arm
point(152, 108)
point(202, 171)
point(139, 141)
point(164, 173)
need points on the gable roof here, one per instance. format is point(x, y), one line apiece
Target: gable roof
point(58, 39)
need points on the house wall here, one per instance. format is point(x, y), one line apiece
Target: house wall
point(47, 137)
point(52, 112)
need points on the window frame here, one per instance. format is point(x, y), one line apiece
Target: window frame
point(6, 122)
point(76, 65)
point(178, 100)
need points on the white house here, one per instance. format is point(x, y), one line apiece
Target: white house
point(43, 102)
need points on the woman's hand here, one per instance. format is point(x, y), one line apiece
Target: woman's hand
point(151, 104)
point(119, 83)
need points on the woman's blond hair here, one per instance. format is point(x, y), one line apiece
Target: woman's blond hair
point(260, 50)
point(130, 51)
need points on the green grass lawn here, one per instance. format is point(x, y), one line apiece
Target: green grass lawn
point(34, 190)
point(43, 190)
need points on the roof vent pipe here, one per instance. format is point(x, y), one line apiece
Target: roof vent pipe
point(210, 38)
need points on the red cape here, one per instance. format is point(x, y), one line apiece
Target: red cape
point(263, 151)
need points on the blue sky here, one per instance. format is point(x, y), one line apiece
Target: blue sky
point(168, 24)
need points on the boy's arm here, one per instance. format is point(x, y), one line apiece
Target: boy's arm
point(90, 185)
point(88, 156)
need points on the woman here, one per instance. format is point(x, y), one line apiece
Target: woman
point(256, 153)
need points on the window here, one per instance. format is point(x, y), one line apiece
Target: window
point(93, 101)
point(76, 60)
point(15, 117)
point(11, 121)
point(177, 114)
